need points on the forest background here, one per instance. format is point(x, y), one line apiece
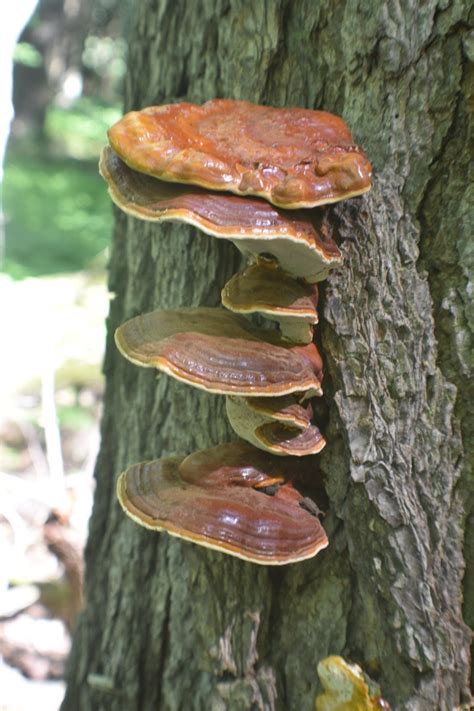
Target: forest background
point(56, 219)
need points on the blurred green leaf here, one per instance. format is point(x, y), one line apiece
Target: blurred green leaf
point(81, 130)
point(75, 417)
point(58, 214)
point(28, 55)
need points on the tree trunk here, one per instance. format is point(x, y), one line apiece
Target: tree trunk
point(172, 626)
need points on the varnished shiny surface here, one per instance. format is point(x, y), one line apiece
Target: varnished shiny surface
point(291, 157)
point(283, 429)
point(264, 287)
point(282, 439)
point(210, 498)
point(222, 215)
point(219, 352)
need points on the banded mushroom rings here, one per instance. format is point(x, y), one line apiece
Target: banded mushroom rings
point(254, 175)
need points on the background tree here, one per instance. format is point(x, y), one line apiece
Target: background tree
point(169, 625)
point(69, 49)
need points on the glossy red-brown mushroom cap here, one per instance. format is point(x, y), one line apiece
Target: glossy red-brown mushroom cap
point(284, 432)
point(265, 288)
point(293, 158)
point(213, 501)
point(300, 240)
point(220, 352)
point(289, 441)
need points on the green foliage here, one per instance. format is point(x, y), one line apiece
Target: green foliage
point(26, 54)
point(105, 58)
point(58, 215)
point(80, 131)
point(75, 417)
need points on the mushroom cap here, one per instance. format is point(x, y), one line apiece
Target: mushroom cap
point(294, 158)
point(261, 428)
point(299, 240)
point(345, 687)
point(210, 498)
point(283, 440)
point(265, 288)
point(220, 352)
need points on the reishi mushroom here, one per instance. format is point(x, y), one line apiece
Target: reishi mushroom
point(181, 162)
point(288, 409)
point(282, 440)
point(346, 688)
point(265, 288)
point(267, 429)
point(220, 352)
point(294, 158)
point(216, 497)
point(299, 239)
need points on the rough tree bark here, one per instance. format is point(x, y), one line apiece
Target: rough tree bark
point(171, 626)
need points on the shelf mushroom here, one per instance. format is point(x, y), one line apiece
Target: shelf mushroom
point(346, 688)
point(218, 167)
point(287, 409)
point(287, 432)
point(220, 352)
point(300, 240)
point(265, 288)
point(282, 440)
point(232, 498)
point(292, 157)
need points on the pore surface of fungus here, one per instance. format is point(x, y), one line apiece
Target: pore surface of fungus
point(212, 498)
point(291, 157)
point(220, 352)
point(300, 240)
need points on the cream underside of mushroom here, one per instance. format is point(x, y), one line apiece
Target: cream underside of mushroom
point(244, 421)
point(279, 415)
point(297, 327)
point(202, 541)
point(295, 256)
point(294, 329)
point(344, 686)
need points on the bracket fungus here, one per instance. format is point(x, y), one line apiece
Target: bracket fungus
point(280, 439)
point(300, 240)
point(288, 409)
point(294, 158)
point(253, 175)
point(217, 498)
point(269, 431)
point(265, 288)
point(346, 688)
point(220, 352)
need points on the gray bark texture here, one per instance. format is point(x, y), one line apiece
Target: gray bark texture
point(172, 626)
